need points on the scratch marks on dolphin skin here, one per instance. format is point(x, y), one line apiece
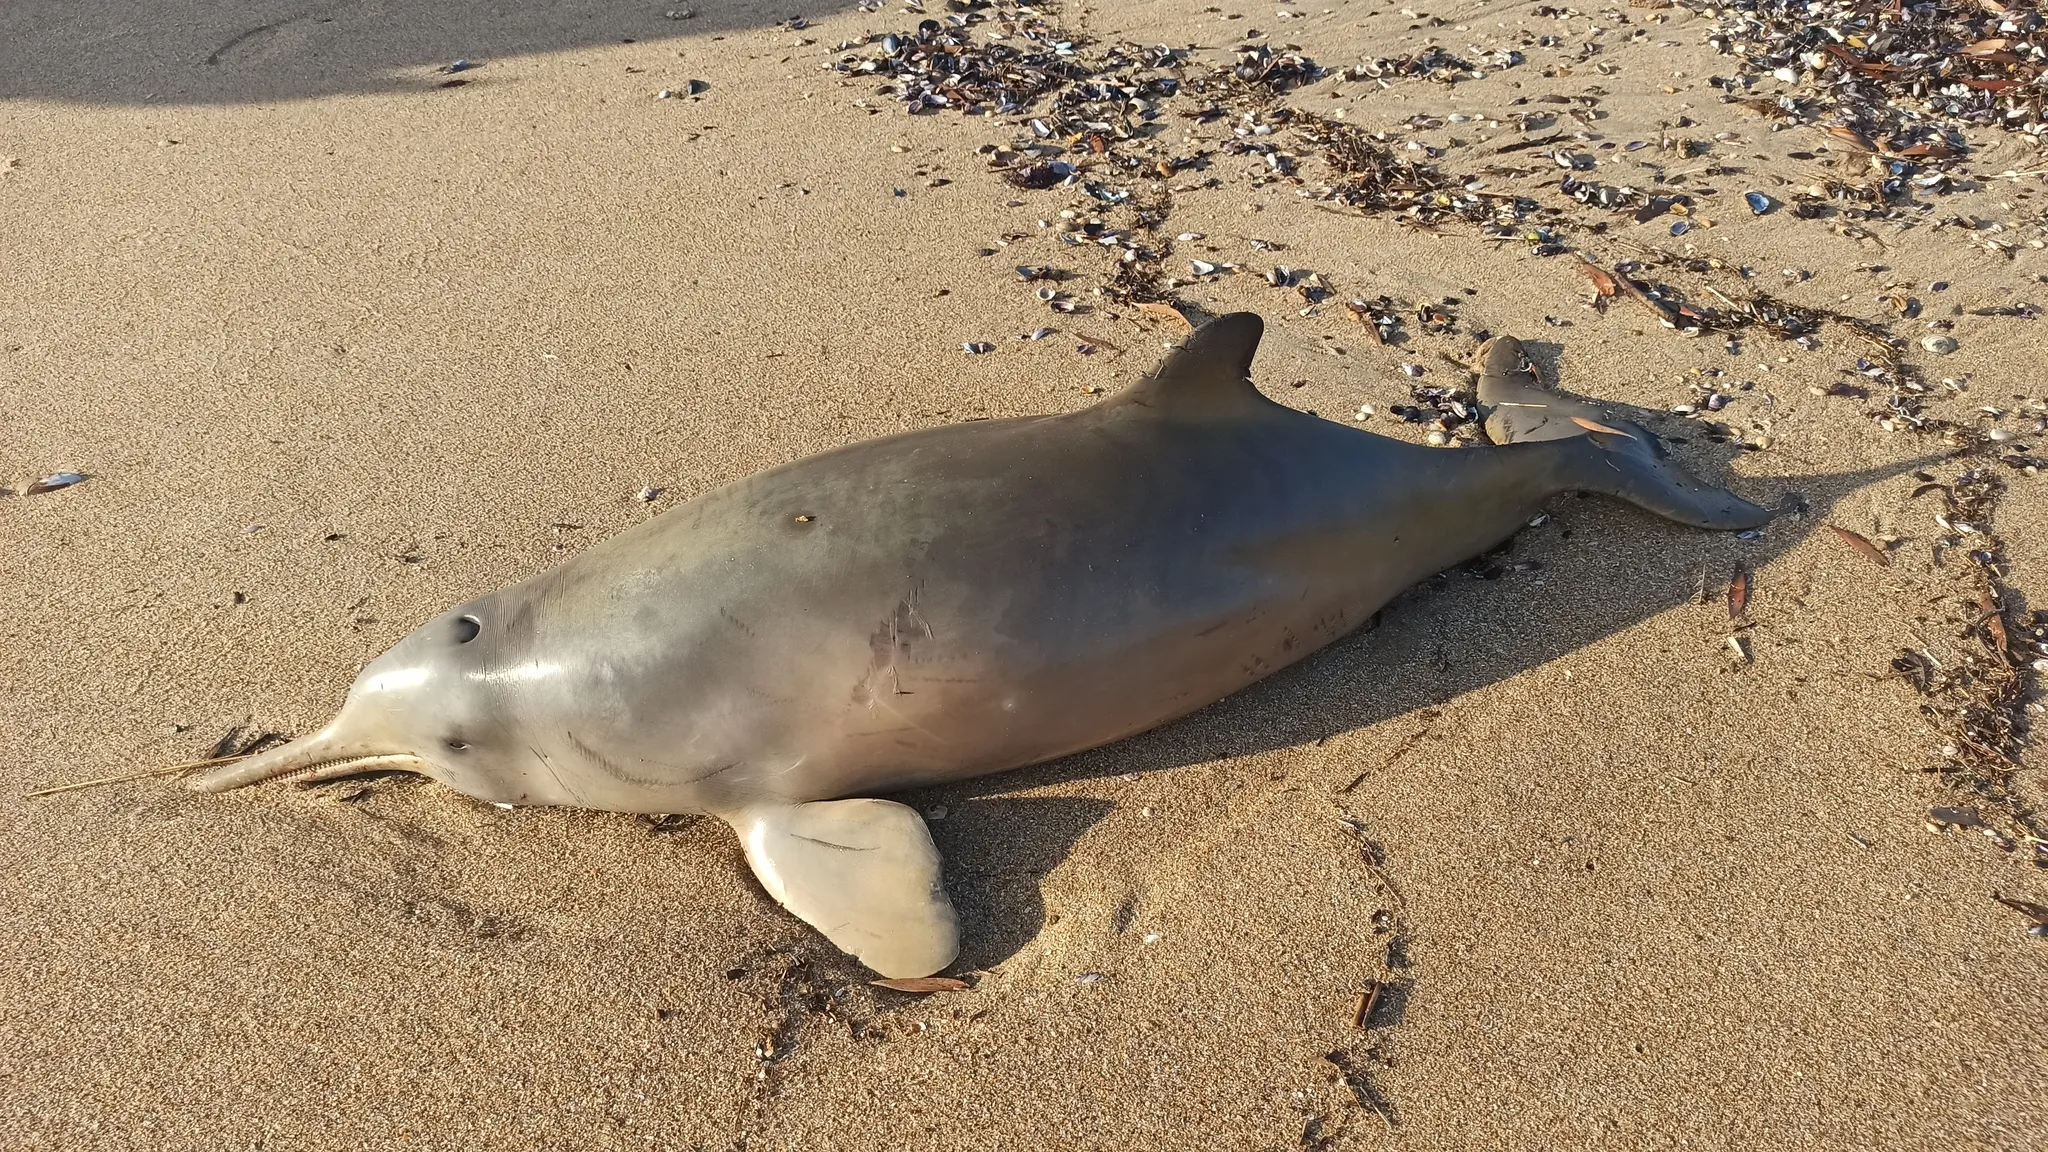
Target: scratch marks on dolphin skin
point(722, 768)
point(610, 768)
point(737, 623)
point(556, 776)
point(892, 642)
point(836, 847)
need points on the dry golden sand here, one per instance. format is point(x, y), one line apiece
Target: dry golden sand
point(354, 347)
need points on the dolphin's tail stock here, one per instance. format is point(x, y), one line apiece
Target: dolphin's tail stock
point(1621, 458)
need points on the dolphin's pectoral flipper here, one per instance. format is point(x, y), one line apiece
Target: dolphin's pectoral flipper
point(863, 872)
point(1622, 458)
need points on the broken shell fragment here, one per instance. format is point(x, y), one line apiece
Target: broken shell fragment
point(53, 482)
point(1939, 345)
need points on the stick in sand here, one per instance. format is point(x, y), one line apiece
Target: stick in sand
point(173, 770)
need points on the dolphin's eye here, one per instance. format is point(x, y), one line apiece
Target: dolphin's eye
point(456, 745)
point(466, 628)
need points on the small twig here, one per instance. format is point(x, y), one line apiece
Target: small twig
point(173, 770)
point(1369, 999)
point(1522, 145)
point(1113, 347)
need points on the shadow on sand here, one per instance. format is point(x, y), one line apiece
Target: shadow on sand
point(206, 52)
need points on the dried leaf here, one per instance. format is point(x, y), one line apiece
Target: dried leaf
point(1851, 137)
point(1738, 594)
point(922, 984)
point(1596, 426)
point(1994, 626)
point(1166, 312)
point(1602, 282)
point(1862, 545)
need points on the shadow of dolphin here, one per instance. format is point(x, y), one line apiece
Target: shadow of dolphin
point(201, 52)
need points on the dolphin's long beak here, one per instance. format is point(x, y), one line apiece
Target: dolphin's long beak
point(324, 755)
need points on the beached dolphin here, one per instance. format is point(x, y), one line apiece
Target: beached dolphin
point(942, 604)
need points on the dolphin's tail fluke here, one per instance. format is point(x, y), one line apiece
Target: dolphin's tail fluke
point(1621, 458)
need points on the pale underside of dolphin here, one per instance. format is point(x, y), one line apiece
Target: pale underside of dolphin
point(953, 602)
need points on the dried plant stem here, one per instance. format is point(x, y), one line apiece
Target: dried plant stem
point(173, 770)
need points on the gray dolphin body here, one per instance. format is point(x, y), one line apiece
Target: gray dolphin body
point(953, 602)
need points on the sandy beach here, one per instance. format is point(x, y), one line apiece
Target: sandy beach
point(340, 335)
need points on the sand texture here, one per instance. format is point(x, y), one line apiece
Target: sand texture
point(337, 346)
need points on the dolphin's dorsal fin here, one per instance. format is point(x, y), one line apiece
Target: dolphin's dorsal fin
point(1209, 375)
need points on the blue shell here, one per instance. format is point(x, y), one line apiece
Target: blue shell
point(1758, 202)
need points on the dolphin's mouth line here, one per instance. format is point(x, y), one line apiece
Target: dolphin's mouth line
point(284, 765)
point(345, 766)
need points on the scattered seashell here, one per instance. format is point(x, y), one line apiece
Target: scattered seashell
point(1203, 267)
point(1038, 334)
point(1758, 202)
point(1939, 345)
point(1415, 370)
point(977, 347)
point(53, 482)
point(647, 495)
